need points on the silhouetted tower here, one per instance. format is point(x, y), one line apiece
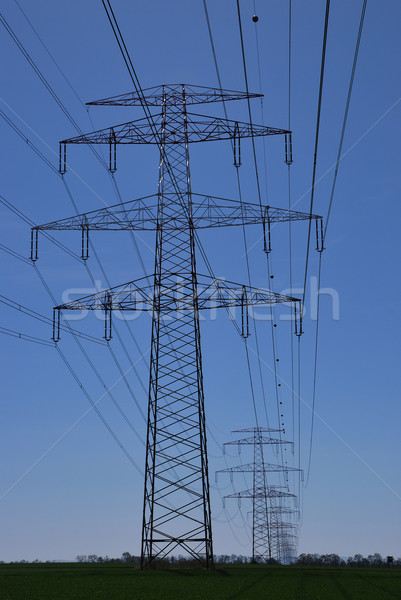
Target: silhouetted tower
point(266, 528)
point(176, 510)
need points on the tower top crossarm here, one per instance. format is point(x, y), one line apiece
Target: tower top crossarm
point(261, 493)
point(256, 430)
point(257, 440)
point(172, 95)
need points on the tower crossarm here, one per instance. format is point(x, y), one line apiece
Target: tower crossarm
point(285, 510)
point(143, 214)
point(251, 468)
point(174, 296)
point(200, 128)
point(211, 211)
point(215, 293)
point(252, 441)
point(171, 95)
point(220, 293)
point(256, 430)
point(207, 211)
point(261, 494)
point(135, 214)
point(285, 525)
point(129, 296)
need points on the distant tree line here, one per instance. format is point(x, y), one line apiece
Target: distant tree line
point(307, 560)
point(310, 560)
point(333, 560)
point(170, 561)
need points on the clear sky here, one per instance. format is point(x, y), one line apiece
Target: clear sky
point(81, 494)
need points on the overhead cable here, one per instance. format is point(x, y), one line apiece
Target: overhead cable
point(345, 118)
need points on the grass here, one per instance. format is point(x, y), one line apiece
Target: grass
point(123, 582)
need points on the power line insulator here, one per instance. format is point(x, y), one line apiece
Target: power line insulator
point(319, 236)
point(113, 152)
point(56, 325)
point(298, 314)
point(34, 244)
point(267, 246)
point(107, 317)
point(288, 148)
point(244, 314)
point(62, 166)
point(85, 242)
point(237, 146)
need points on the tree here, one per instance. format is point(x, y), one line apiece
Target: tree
point(375, 560)
point(81, 558)
point(126, 557)
point(92, 558)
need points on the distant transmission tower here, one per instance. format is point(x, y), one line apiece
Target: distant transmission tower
point(284, 533)
point(176, 509)
point(268, 530)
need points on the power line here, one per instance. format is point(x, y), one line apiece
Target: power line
point(149, 117)
point(22, 216)
point(123, 345)
point(244, 234)
point(347, 105)
point(29, 221)
point(351, 83)
point(33, 147)
point(299, 422)
point(248, 102)
point(43, 79)
point(132, 73)
point(243, 226)
point(319, 106)
point(91, 364)
point(26, 337)
point(63, 107)
point(260, 204)
point(51, 56)
point(68, 327)
point(240, 195)
point(322, 67)
point(96, 372)
point(99, 414)
point(15, 254)
point(66, 112)
point(269, 261)
point(289, 163)
point(247, 261)
point(143, 102)
point(19, 45)
point(72, 372)
point(39, 317)
point(27, 141)
point(54, 95)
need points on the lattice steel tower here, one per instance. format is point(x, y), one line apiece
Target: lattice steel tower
point(268, 530)
point(176, 498)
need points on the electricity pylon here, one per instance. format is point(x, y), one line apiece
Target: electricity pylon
point(284, 533)
point(267, 527)
point(176, 509)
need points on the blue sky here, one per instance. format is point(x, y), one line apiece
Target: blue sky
point(84, 496)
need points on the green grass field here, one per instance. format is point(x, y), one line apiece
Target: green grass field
point(123, 582)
